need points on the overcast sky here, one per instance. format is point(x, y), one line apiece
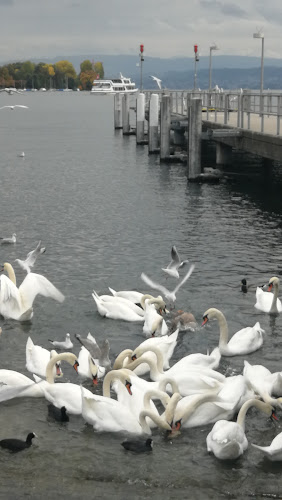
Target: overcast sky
point(167, 28)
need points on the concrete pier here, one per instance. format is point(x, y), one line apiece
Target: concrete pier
point(154, 124)
point(223, 154)
point(140, 119)
point(118, 111)
point(165, 128)
point(195, 137)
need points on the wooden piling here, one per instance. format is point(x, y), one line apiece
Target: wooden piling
point(154, 124)
point(194, 142)
point(140, 119)
point(117, 111)
point(125, 115)
point(165, 128)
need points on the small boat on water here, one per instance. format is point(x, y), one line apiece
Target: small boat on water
point(120, 85)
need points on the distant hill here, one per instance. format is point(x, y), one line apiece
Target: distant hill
point(178, 72)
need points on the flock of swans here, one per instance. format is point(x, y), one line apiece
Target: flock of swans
point(141, 390)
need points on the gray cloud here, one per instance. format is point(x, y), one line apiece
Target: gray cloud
point(230, 9)
point(6, 3)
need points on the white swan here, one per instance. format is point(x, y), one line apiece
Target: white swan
point(120, 300)
point(195, 361)
point(14, 384)
point(166, 344)
point(175, 264)
point(274, 451)
point(189, 382)
point(88, 368)
point(244, 341)
point(37, 359)
point(16, 303)
point(169, 295)
point(227, 440)
point(266, 301)
point(131, 295)
point(221, 403)
point(154, 323)
point(116, 310)
point(262, 381)
point(108, 415)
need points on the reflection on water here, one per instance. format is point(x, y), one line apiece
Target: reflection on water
point(106, 212)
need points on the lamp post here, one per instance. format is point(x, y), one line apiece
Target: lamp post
point(195, 65)
point(141, 66)
point(259, 34)
point(212, 47)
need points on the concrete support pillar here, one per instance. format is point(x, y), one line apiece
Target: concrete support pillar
point(268, 170)
point(118, 111)
point(223, 154)
point(154, 124)
point(194, 138)
point(125, 115)
point(165, 127)
point(140, 119)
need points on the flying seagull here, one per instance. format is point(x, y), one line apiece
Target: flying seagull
point(175, 264)
point(157, 80)
point(31, 258)
point(170, 296)
point(15, 106)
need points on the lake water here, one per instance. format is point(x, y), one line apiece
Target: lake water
point(106, 212)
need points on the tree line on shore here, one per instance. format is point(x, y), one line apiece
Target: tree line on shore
point(59, 75)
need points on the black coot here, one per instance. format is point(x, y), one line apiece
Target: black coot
point(17, 444)
point(59, 414)
point(138, 446)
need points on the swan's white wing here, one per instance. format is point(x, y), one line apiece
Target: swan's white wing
point(154, 285)
point(9, 292)
point(187, 275)
point(36, 284)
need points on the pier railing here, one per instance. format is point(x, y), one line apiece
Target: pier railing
point(234, 108)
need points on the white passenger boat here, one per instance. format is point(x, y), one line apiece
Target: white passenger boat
point(121, 85)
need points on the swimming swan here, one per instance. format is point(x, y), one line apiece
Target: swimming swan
point(244, 341)
point(88, 368)
point(266, 301)
point(115, 310)
point(109, 415)
point(154, 323)
point(120, 300)
point(262, 381)
point(37, 359)
point(227, 440)
point(16, 303)
point(274, 451)
point(131, 295)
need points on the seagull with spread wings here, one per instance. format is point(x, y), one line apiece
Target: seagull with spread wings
point(175, 264)
point(170, 296)
point(31, 258)
point(158, 81)
point(15, 106)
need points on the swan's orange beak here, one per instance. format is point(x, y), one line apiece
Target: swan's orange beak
point(205, 318)
point(76, 365)
point(2, 269)
point(58, 370)
point(270, 287)
point(133, 357)
point(273, 415)
point(94, 379)
point(128, 387)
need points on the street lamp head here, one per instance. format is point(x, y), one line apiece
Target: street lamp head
point(258, 35)
point(214, 47)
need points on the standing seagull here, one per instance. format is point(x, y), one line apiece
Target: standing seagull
point(170, 296)
point(15, 106)
point(31, 258)
point(157, 80)
point(175, 264)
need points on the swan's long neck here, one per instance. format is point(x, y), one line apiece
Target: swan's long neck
point(159, 421)
point(144, 298)
point(121, 358)
point(156, 394)
point(273, 308)
point(194, 403)
point(223, 329)
point(64, 356)
point(10, 272)
point(155, 373)
point(170, 409)
point(265, 407)
point(109, 378)
point(164, 382)
point(159, 356)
